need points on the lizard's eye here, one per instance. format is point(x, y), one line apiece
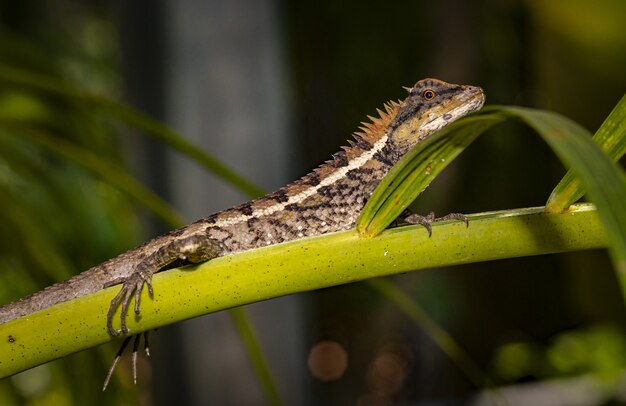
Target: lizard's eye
point(428, 94)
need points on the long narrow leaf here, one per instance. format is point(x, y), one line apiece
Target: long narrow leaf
point(131, 117)
point(42, 251)
point(103, 168)
point(414, 172)
point(436, 333)
point(611, 137)
point(260, 367)
point(602, 178)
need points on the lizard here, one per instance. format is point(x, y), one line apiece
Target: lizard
point(328, 199)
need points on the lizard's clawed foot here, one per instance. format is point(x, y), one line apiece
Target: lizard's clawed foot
point(120, 352)
point(427, 220)
point(133, 284)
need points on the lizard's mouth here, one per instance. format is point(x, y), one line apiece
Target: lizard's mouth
point(467, 101)
point(474, 96)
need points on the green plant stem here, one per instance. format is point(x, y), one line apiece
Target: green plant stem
point(298, 266)
point(255, 355)
point(440, 336)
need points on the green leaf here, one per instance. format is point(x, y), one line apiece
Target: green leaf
point(414, 172)
point(611, 137)
point(125, 114)
point(102, 167)
point(27, 227)
point(602, 178)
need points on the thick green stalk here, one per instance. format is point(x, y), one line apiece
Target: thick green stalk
point(298, 266)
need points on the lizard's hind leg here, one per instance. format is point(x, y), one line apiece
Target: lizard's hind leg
point(133, 284)
point(191, 249)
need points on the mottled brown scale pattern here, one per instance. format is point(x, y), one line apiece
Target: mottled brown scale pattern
point(328, 199)
point(334, 208)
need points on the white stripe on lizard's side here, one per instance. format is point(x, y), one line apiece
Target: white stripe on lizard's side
point(297, 198)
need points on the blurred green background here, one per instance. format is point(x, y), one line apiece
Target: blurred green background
point(272, 88)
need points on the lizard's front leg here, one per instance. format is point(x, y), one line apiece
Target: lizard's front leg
point(195, 249)
point(427, 220)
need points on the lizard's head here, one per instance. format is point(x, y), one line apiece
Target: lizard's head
point(431, 105)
